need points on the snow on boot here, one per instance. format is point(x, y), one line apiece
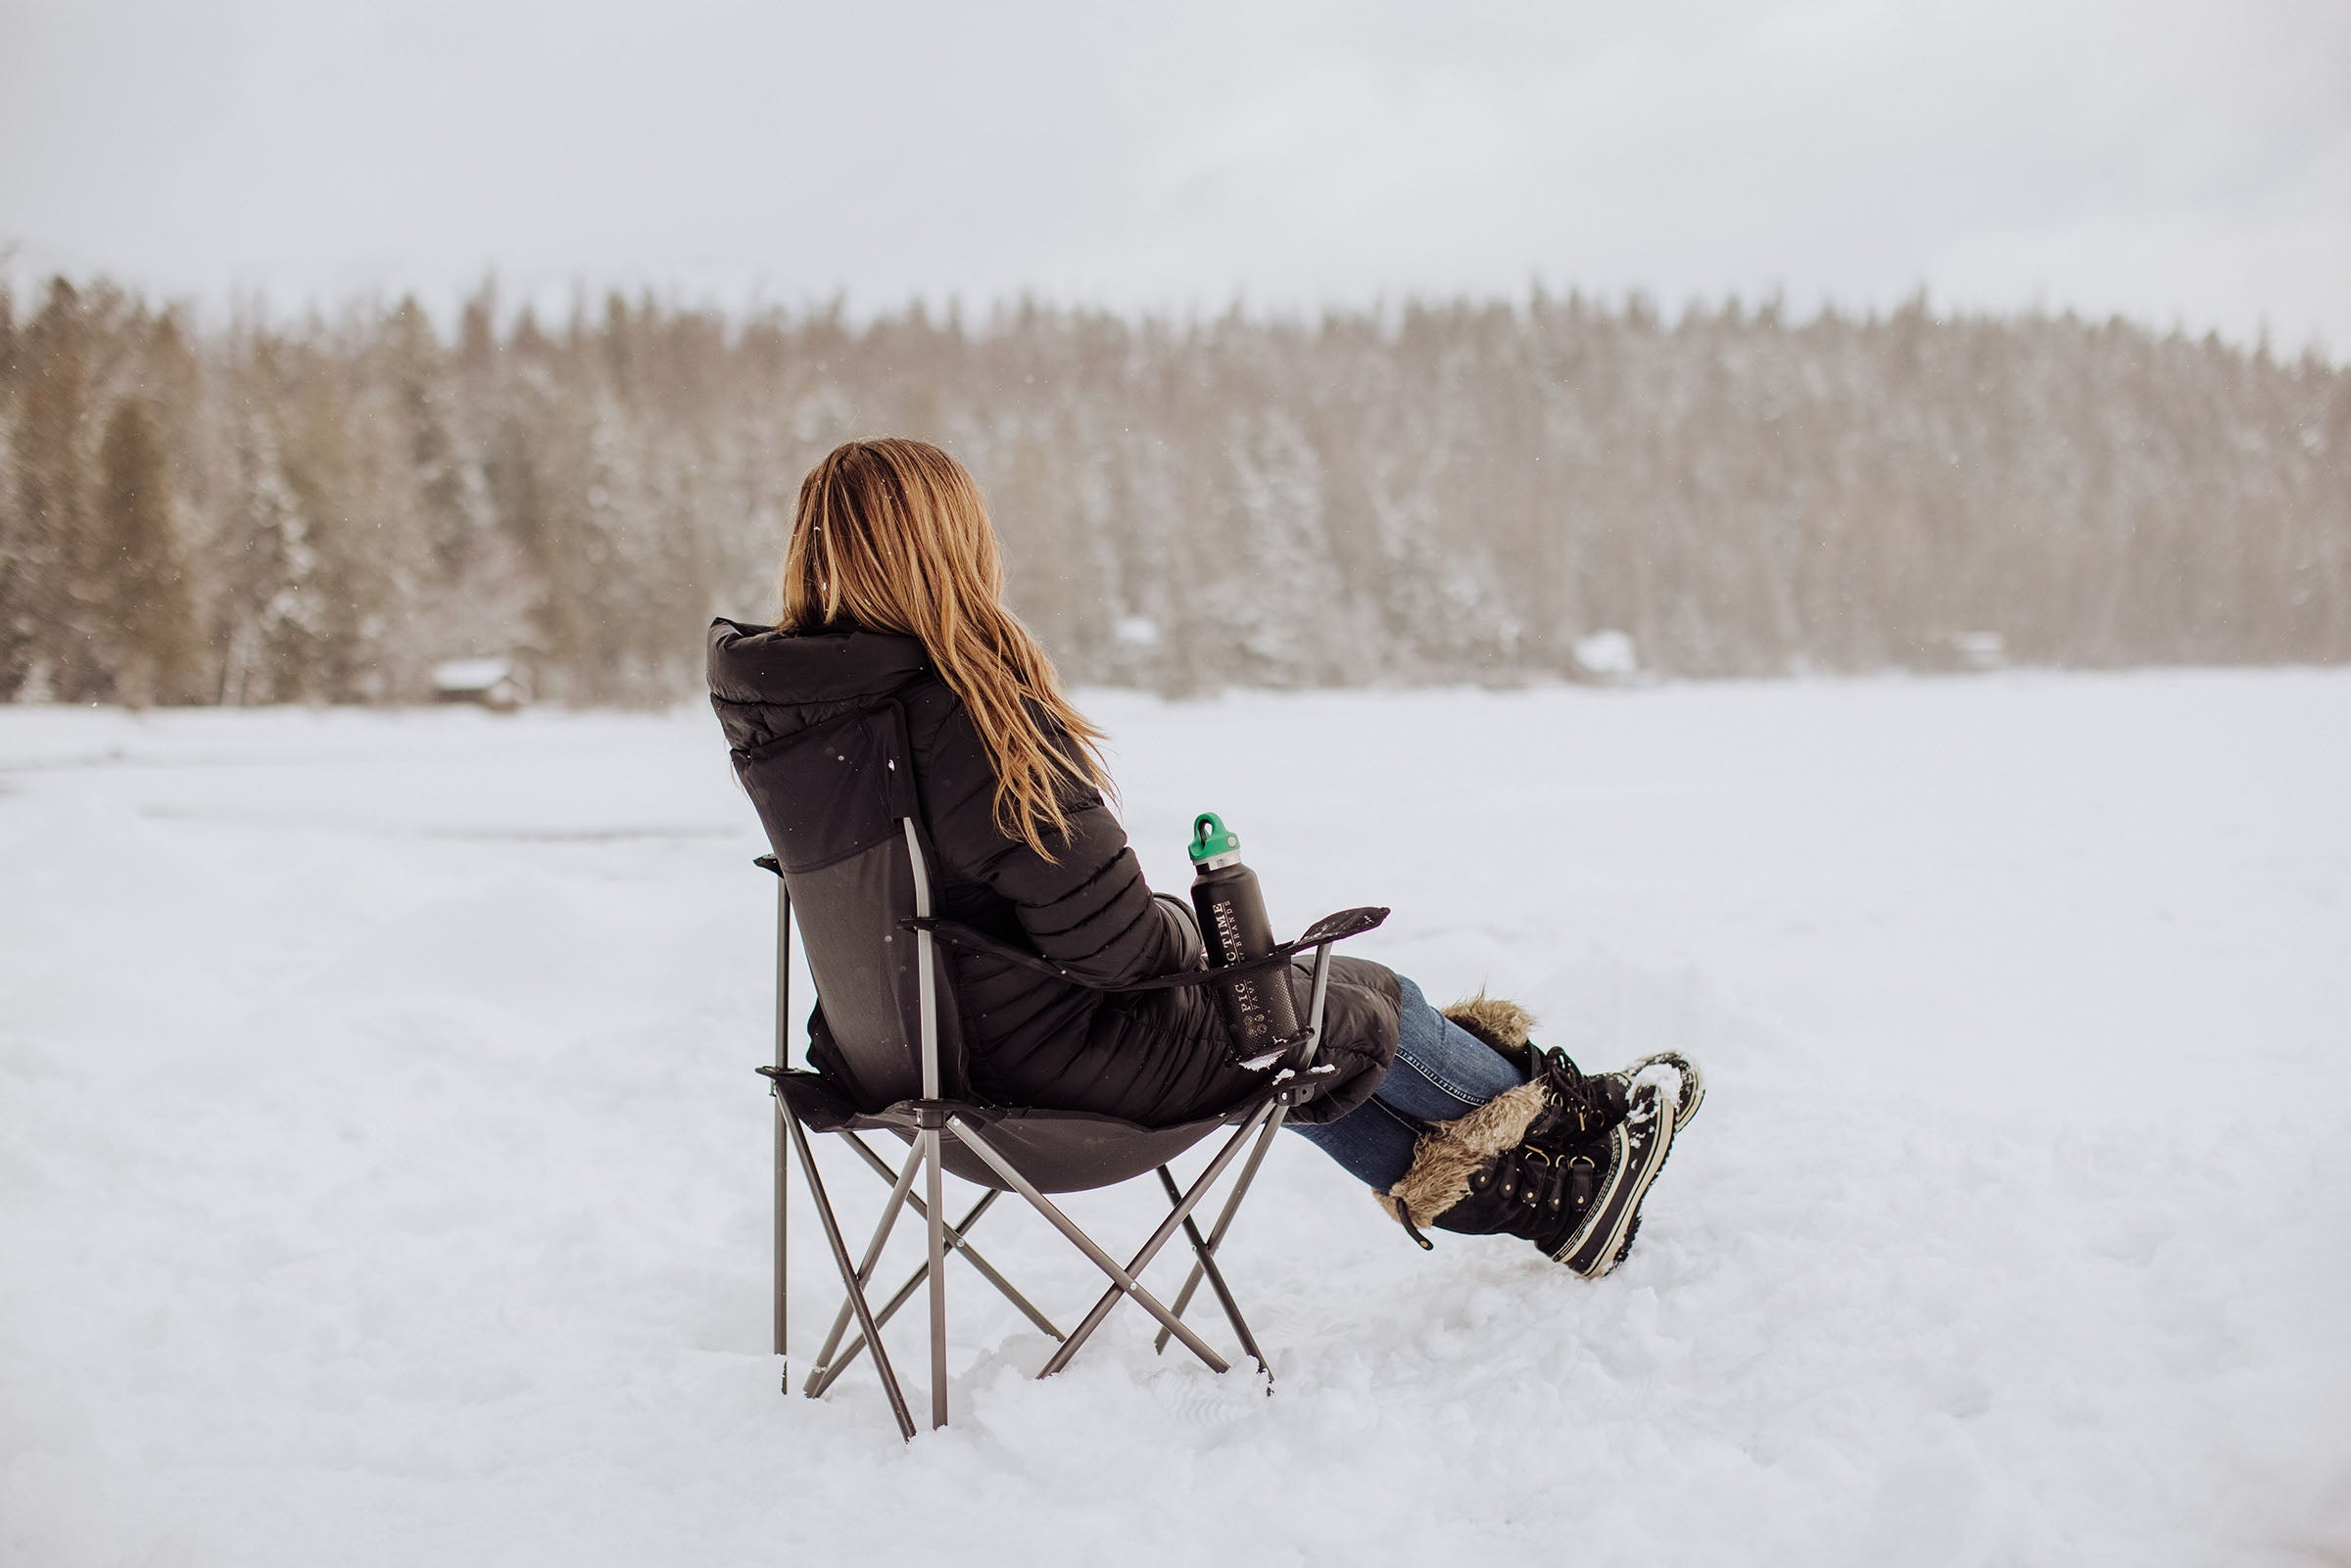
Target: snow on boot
point(1688, 1094)
point(1516, 1167)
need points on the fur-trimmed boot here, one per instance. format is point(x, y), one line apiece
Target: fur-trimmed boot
point(1564, 1159)
point(1516, 1167)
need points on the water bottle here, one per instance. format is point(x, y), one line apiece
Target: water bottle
point(1258, 1009)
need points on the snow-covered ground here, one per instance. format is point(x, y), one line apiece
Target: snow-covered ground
point(383, 1178)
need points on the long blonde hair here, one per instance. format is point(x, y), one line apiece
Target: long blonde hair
point(893, 534)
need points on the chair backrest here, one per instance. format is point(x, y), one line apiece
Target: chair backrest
point(838, 803)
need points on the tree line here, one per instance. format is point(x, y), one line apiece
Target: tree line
point(260, 512)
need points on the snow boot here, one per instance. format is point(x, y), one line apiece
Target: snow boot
point(1508, 1028)
point(1519, 1165)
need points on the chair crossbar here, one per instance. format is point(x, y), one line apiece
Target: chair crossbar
point(826, 1375)
point(1150, 1249)
point(957, 1240)
point(1205, 1253)
point(899, 1191)
point(1216, 1278)
point(1085, 1244)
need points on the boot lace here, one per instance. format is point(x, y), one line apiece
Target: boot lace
point(1578, 1106)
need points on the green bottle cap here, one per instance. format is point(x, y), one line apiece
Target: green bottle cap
point(1211, 837)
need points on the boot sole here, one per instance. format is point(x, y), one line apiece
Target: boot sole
point(1601, 1246)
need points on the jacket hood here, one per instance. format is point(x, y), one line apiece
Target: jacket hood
point(760, 664)
point(766, 683)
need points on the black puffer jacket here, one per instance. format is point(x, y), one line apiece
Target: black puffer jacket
point(1157, 1056)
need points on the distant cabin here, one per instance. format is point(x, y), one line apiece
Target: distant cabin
point(1967, 652)
point(1979, 650)
point(497, 683)
point(1605, 658)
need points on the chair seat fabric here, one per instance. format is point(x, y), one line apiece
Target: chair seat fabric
point(1059, 1151)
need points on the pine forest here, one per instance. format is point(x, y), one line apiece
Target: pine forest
point(258, 512)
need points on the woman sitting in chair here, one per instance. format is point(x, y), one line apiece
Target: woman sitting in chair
point(893, 594)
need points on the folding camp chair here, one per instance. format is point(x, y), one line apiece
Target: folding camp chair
point(886, 990)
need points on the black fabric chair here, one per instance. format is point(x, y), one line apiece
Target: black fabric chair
point(886, 990)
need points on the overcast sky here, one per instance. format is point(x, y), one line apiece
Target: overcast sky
point(2180, 162)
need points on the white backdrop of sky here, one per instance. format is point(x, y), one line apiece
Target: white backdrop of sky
point(2180, 162)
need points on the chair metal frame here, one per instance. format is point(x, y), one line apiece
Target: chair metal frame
point(929, 1121)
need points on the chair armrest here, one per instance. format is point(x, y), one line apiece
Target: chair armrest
point(1341, 926)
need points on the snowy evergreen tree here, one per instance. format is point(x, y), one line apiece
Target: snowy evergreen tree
point(44, 614)
point(150, 652)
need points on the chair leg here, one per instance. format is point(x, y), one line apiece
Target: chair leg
point(957, 1240)
point(783, 1165)
point(782, 1274)
point(1062, 1222)
point(848, 1276)
point(1233, 1207)
point(873, 1255)
point(935, 1219)
point(1205, 1251)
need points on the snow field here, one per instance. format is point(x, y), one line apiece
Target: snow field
point(383, 1180)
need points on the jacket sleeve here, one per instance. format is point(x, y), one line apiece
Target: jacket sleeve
point(1087, 909)
point(1194, 954)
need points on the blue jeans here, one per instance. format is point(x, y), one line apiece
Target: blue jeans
point(1442, 1071)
